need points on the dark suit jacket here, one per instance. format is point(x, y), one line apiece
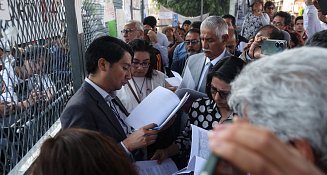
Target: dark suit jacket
point(87, 109)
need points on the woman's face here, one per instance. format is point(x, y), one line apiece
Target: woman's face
point(140, 64)
point(257, 7)
point(219, 92)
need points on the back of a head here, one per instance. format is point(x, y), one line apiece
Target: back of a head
point(319, 39)
point(107, 47)
point(272, 32)
point(196, 24)
point(150, 20)
point(226, 70)
point(287, 94)
point(83, 152)
point(215, 23)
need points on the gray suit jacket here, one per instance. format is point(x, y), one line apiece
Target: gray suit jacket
point(87, 109)
point(196, 64)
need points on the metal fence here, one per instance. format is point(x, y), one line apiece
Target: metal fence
point(36, 79)
point(42, 63)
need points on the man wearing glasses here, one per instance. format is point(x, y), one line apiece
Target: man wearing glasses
point(282, 20)
point(132, 30)
point(193, 46)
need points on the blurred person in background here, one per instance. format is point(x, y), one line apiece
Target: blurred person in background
point(269, 8)
point(298, 27)
point(132, 30)
point(254, 20)
point(186, 25)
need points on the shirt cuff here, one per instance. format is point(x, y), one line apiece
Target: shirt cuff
point(126, 150)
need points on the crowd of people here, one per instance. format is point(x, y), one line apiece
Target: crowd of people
point(265, 113)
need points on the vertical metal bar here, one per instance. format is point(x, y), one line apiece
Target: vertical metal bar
point(201, 10)
point(74, 45)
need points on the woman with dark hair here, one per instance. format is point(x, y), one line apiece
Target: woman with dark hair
point(144, 78)
point(208, 111)
point(83, 152)
point(254, 20)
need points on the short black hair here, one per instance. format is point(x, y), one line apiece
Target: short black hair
point(228, 16)
point(150, 20)
point(140, 45)
point(196, 24)
point(298, 18)
point(193, 30)
point(268, 4)
point(287, 17)
point(319, 39)
point(226, 70)
point(186, 22)
point(274, 32)
point(107, 47)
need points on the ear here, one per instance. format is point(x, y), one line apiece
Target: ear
point(304, 147)
point(102, 64)
point(225, 38)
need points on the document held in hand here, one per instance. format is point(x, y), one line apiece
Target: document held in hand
point(158, 107)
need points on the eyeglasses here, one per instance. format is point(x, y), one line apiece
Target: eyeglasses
point(222, 94)
point(271, 8)
point(277, 24)
point(127, 31)
point(142, 64)
point(192, 42)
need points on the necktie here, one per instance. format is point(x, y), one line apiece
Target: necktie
point(204, 81)
point(115, 111)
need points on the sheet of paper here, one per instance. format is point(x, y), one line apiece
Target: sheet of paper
point(176, 80)
point(199, 146)
point(187, 81)
point(180, 104)
point(155, 108)
point(195, 165)
point(151, 167)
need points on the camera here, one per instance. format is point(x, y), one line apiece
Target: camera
point(270, 46)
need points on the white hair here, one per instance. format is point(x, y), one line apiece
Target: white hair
point(287, 93)
point(138, 24)
point(217, 24)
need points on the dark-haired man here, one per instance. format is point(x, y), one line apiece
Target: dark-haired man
point(95, 106)
point(282, 20)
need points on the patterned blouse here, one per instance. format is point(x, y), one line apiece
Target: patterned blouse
point(202, 114)
point(252, 23)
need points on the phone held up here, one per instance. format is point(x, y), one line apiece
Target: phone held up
point(270, 46)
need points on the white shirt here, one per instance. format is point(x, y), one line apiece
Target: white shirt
point(206, 67)
point(311, 21)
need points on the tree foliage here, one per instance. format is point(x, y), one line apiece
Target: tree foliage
point(193, 7)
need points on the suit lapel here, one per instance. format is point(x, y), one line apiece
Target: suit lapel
point(102, 104)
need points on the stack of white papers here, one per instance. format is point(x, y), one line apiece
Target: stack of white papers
point(158, 108)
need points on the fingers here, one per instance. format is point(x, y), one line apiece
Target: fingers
point(149, 126)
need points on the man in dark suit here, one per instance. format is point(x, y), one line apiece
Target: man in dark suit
point(94, 106)
point(214, 36)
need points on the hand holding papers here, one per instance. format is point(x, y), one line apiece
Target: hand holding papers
point(158, 108)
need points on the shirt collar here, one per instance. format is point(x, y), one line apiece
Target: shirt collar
point(215, 61)
point(107, 96)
